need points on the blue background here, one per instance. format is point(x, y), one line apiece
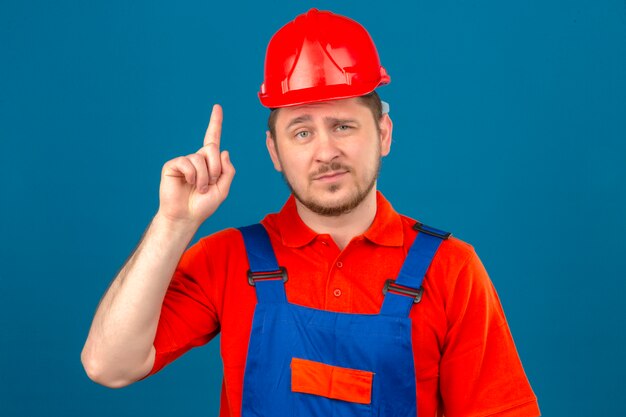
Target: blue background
point(509, 131)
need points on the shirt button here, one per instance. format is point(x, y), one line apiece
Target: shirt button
point(337, 292)
point(339, 264)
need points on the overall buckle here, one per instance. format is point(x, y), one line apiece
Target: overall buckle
point(390, 285)
point(253, 277)
point(431, 231)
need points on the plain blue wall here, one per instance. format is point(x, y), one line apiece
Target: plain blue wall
point(510, 122)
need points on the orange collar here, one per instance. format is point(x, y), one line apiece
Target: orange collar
point(386, 229)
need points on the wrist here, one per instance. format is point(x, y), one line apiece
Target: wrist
point(176, 227)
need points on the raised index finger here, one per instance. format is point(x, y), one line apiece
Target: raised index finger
point(214, 131)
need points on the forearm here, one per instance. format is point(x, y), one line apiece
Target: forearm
point(119, 349)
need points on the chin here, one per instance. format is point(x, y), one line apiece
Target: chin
point(333, 206)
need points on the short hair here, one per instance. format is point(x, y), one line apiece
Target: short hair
point(371, 100)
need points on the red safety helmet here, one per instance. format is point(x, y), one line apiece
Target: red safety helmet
point(317, 57)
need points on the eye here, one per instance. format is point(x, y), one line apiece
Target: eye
point(343, 128)
point(303, 134)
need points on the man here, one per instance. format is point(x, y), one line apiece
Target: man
point(337, 305)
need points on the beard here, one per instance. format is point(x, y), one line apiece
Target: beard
point(339, 208)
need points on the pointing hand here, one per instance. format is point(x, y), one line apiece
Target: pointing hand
point(194, 186)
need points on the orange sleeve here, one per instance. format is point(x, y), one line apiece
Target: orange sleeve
point(480, 372)
point(188, 316)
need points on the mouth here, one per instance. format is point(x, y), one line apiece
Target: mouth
point(330, 176)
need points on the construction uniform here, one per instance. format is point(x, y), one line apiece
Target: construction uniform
point(327, 341)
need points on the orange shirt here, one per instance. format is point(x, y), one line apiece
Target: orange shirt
point(466, 363)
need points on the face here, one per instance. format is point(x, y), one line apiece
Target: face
point(330, 153)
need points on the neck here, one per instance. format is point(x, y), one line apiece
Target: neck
point(344, 227)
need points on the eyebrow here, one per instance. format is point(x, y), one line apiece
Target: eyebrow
point(299, 119)
point(328, 120)
point(335, 121)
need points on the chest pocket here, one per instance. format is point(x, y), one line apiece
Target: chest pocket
point(322, 389)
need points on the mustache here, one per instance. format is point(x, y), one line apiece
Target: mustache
point(326, 168)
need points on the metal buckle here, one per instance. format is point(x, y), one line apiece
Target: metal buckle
point(265, 276)
point(431, 231)
point(390, 284)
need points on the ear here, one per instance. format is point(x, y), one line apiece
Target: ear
point(386, 128)
point(273, 151)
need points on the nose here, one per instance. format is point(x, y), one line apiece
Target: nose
point(327, 148)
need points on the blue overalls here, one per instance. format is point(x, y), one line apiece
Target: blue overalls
point(307, 362)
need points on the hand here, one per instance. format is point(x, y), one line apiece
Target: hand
point(194, 186)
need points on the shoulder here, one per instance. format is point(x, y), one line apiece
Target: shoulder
point(223, 240)
point(452, 250)
point(217, 246)
point(229, 242)
point(455, 265)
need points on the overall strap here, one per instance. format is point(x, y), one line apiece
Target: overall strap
point(406, 290)
point(264, 274)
